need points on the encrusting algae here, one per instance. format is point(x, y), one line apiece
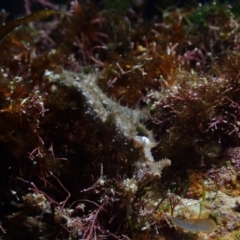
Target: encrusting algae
point(114, 125)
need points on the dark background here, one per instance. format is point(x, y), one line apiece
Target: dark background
point(16, 9)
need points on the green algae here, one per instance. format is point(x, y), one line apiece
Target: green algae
point(6, 29)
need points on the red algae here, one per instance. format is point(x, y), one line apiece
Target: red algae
point(110, 121)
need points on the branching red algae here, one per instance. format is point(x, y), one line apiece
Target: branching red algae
point(88, 112)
